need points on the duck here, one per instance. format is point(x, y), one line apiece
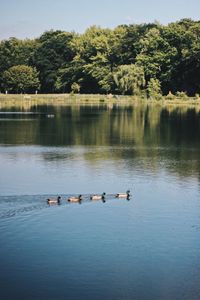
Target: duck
point(75, 199)
point(123, 195)
point(54, 201)
point(98, 197)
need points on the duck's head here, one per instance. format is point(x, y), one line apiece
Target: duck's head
point(80, 197)
point(58, 198)
point(128, 192)
point(103, 195)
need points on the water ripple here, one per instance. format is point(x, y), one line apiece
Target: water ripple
point(12, 206)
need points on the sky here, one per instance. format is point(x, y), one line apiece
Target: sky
point(30, 18)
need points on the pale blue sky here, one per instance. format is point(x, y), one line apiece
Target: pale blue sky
point(30, 18)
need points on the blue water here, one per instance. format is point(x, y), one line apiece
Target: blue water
point(144, 248)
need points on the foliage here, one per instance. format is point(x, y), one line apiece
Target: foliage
point(52, 53)
point(21, 78)
point(156, 56)
point(127, 59)
point(181, 95)
point(15, 52)
point(170, 96)
point(75, 87)
point(129, 79)
point(94, 61)
point(153, 89)
point(197, 96)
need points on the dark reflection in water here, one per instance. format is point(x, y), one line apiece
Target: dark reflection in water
point(102, 125)
point(143, 249)
point(150, 131)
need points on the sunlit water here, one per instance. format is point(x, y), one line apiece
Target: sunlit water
point(144, 248)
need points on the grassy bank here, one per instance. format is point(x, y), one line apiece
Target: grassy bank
point(23, 100)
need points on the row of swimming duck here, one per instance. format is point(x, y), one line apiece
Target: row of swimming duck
point(92, 197)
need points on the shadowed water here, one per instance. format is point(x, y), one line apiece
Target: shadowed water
point(145, 248)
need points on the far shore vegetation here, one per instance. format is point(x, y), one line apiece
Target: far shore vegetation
point(140, 61)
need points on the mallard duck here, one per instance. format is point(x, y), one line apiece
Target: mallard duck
point(123, 195)
point(75, 199)
point(54, 201)
point(98, 197)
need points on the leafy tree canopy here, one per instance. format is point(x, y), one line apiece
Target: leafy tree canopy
point(21, 79)
point(126, 59)
point(52, 53)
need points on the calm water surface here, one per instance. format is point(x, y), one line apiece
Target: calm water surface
point(145, 248)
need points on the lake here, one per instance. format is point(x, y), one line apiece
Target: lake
point(147, 247)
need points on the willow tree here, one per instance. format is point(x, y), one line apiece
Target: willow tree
point(129, 79)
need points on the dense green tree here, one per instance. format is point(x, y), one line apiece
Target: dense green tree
point(112, 61)
point(15, 52)
point(129, 45)
point(185, 37)
point(51, 54)
point(18, 79)
point(93, 59)
point(156, 56)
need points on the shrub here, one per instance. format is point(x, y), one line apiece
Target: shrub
point(182, 95)
point(75, 87)
point(170, 96)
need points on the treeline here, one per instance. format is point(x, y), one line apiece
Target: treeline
point(146, 59)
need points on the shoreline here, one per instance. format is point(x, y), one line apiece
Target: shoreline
point(90, 99)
